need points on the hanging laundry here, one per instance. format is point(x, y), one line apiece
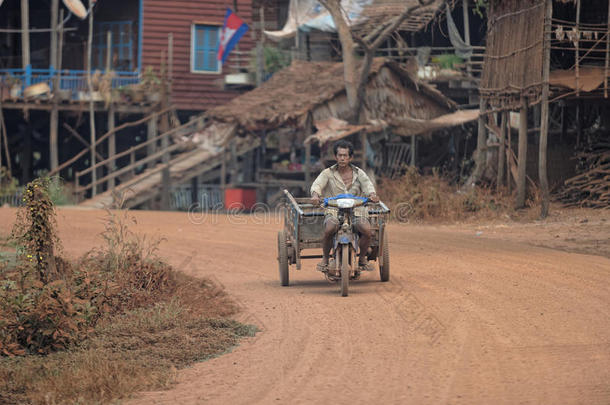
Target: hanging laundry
point(559, 33)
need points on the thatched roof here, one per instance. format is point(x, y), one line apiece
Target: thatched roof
point(380, 11)
point(294, 92)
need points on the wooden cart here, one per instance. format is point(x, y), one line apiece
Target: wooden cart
point(304, 227)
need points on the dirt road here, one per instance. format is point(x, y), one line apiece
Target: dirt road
point(465, 319)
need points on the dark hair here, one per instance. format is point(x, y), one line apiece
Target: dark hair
point(344, 145)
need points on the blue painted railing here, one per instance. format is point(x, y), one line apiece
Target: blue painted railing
point(73, 80)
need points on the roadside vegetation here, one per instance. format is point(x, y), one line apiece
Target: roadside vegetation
point(93, 330)
point(416, 198)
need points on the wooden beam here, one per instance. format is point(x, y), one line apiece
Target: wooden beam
point(80, 138)
point(41, 105)
point(522, 159)
point(100, 139)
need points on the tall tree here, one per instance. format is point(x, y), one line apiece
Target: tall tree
point(356, 75)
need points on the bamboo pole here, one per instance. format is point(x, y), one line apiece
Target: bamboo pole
point(577, 45)
point(544, 111)
point(522, 158)
point(91, 110)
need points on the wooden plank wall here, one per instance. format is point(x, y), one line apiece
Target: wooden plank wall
point(191, 91)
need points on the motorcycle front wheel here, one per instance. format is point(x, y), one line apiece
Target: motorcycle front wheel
point(345, 269)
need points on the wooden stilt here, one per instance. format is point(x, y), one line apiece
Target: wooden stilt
point(25, 33)
point(111, 144)
point(151, 133)
point(53, 138)
point(53, 48)
point(509, 149)
point(577, 47)
point(467, 33)
point(223, 172)
point(481, 152)
point(363, 141)
point(501, 151)
point(5, 140)
point(307, 166)
point(522, 158)
point(412, 163)
point(165, 182)
point(544, 111)
point(56, 61)
point(607, 64)
point(111, 122)
point(91, 109)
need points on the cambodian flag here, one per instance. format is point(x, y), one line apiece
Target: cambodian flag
point(232, 31)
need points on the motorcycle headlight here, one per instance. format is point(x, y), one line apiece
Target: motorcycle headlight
point(345, 203)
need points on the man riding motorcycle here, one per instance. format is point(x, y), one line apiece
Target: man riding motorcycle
point(344, 178)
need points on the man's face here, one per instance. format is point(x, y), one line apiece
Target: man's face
point(343, 157)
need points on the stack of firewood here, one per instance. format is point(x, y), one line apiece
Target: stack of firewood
point(590, 188)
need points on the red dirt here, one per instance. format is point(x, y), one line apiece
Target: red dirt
point(468, 317)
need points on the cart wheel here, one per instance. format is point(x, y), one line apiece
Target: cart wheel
point(384, 267)
point(282, 257)
point(345, 270)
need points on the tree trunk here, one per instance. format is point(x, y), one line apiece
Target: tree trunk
point(350, 72)
point(356, 78)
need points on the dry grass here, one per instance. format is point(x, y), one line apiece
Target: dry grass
point(417, 198)
point(139, 350)
point(117, 321)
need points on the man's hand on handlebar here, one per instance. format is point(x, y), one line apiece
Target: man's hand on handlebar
point(374, 197)
point(315, 199)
